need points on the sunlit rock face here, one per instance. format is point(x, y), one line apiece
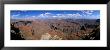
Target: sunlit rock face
point(46, 36)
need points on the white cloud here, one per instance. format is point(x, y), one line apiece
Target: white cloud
point(41, 15)
point(70, 14)
point(77, 15)
point(74, 15)
point(87, 12)
point(32, 17)
point(58, 14)
point(15, 15)
point(54, 16)
point(50, 15)
point(47, 13)
point(91, 11)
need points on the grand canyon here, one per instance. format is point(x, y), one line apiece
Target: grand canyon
point(55, 29)
point(55, 25)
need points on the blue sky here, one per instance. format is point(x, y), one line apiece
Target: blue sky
point(79, 14)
